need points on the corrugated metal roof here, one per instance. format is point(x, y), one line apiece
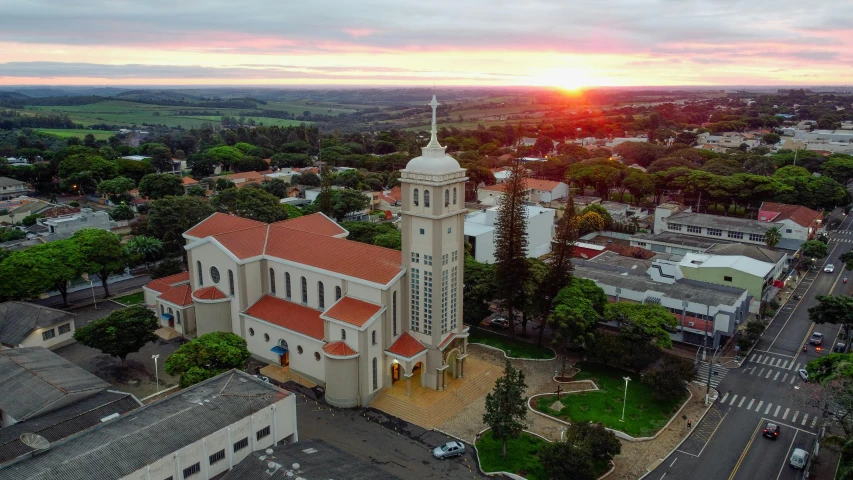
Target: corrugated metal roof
point(19, 319)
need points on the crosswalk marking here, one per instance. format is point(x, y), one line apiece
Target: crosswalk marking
point(784, 378)
point(760, 372)
point(741, 401)
point(776, 377)
point(814, 422)
point(797, 367)
point(769, 372)
point(752, 357)
point(794, 418)
point(758, 408)
point(733, 400)
point(717, 374)
point(723, 400)
point(749, 407)
point(793, 377)
point(805, 419)
point(752, 370)
point(758, 360)
point(776, 413)
point(784, 364)
point(767, 410)
point(785, 415)
point(765, 361)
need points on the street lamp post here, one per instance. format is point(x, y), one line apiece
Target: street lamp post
point(156, 371)
point(625, 400)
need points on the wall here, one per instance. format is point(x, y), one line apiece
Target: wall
point(304, 363)
point(217, 317)
point(751, 283)
point(59, 340)
point(342, 384)
point(797, 231)
point(539, 233)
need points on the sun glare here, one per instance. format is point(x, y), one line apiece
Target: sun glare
point(570, 79)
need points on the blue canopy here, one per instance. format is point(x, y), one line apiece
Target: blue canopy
point(167, 316)
point(278, 350)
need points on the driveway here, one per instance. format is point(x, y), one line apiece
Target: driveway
point(398, 447)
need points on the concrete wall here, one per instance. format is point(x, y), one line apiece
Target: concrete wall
point(794, 230)
point(280, 417)
point(59, 339)
point(342, 382)
point(216, 316)
point(305, 363)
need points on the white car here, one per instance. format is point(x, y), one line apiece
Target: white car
point(449, 449)
point(803, 374)
point(829, 268)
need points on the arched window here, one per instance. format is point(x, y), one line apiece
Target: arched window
point(162, 309)
point(416, 197)
point(304, 290)
point(343, 334)
point(426, 198)
point(231, 282)
point(447, 198)
point(200, 273)
point(454, 195)
point(375, 376)
point(337, 293)
point(272, 281)
point(178, 316)
point(287, 284)
point(394, 311)
point(321, 295)
point(170, 311)
point(373, 337)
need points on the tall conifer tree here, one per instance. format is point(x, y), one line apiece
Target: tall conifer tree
point(511, 245)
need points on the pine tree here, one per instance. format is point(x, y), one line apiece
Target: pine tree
point(511, 245)
point(560, 263)
point(506, 407)
point(325, 200)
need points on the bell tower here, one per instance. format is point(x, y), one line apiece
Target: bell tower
point(433, 217)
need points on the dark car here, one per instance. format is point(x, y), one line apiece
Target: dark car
point(771, 430)
point(499, 322)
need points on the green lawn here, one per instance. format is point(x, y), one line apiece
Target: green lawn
point(517, 348)
point(520, 458)
point(644, 416)
point(66, 133)
point(132, 299)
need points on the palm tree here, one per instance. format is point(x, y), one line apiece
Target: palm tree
point(772, 236)
point(146, 248)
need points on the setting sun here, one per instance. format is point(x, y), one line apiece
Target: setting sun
point(569, 79)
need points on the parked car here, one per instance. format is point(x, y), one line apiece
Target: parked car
point(803, 374)
point(816, 338)
point(829, 268)
point(799, 458)
point(449, 449)
point(839, 347)
point(771, 430)
point(499, 322)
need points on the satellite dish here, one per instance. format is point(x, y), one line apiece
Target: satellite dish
point(34, 441)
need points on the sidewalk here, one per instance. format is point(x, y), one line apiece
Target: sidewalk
point(82, 298)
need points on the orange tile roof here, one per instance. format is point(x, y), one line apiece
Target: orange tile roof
point(394, 195)
point(338, 349)
point(799, 214)
point(245, 243)
point(245, 177)
point(289, 315)
point(160, 285)
point(180, 295)
point(314, 223)
point(406, 346)
point(189, 181)
point(221, 223)
point(529, 183)
point(346, 257)
point(209, 293)
point(352, 311)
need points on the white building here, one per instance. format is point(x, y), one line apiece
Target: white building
point(25, 324)
point(11, 188)
point(68, 224)
point(480, 229)
point(536, 190)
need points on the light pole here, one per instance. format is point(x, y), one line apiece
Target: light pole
point(94, 299)
point(156, 372)
point(625, 400)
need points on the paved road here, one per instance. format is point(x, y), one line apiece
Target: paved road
point(728, 443)
point(85, 296)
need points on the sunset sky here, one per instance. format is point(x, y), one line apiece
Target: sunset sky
point(461, 42)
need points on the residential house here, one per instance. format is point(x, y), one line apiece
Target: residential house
point(25, 324)
point(798, 222)
point(392, 197)
point(480, 231)
point(66, 225)
point(535, 190)
point(11, 188)
point(198, 433)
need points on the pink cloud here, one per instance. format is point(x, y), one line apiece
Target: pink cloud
point(359, 32)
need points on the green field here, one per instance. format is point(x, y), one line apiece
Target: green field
point(513, 348)
point(66, 133)
point(131, 299)
point(520, 458)
point(644, 415)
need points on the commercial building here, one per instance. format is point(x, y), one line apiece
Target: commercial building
point(25, 324)
point(199, 433)
point(535, 190)
point(11, 188)
point(66, 225)
point(480, 232)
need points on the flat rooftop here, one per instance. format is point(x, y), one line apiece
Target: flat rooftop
point(745, 225)
point(119, 447)
point(680, 239)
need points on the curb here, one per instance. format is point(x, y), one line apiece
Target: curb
point(516, 358)
point(648, 472)
point(618, 433)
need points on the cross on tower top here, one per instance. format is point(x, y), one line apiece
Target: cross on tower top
point(433, 141)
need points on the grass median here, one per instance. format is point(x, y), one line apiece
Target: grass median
point(513, 348)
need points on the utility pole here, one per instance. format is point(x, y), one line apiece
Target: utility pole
point(710, 360)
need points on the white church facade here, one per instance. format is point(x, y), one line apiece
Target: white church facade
point(352, 317)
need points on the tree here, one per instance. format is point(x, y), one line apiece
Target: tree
point(103, 254)
point(308, 179)
point(814, 249)
point(847, 258)
point(478, 289)
point(161, 158)
point(325, 199)
point(567, 461)
point(224, 184)
point(196, 191)
point(207, 356)
point(642, 331)
point(252, 203)
point(146, 249)
point(511, 245)
point(559, 263)
point(342, 202)
point(276, 187)
point(393, 240)
point(771, 138)
point(506, 407)
point(639, 185)
point(168, 267)
point(641, 153)
point(201, 166)
point(601, 444)
point(120, 333)
point(759, 165)
point(122, 212)
point(225, 156)
point(160, 185)
point(170, 217)
point(839, 169)
point(116, 188)
point(836, 309)
point(668, 379)
point(574, 320)
point(41, 268)
point(590, 222)
point(772, 237)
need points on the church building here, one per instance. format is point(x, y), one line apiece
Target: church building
point(352, 317)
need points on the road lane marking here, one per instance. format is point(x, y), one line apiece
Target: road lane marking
point(785, 378)
point(749, 407)
point(794, 418)
point(787, 456)
point(733, 400)
point(777, 376)
point(745, 449)
point(767, 410)
point(741, 401)
point(769, 372)
point(805, 419)
point(673, 462)
point(785, 416)
point(814, 421)
point(776, 413)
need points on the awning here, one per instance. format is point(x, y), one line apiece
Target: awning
point(166, 316)
point(278, 350)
